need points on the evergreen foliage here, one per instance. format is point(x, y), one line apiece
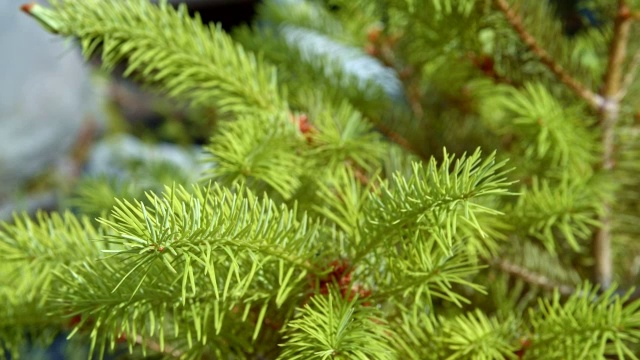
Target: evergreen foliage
point(330, 223)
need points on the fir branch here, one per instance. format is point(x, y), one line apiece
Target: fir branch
point(217, 272)
point(411, 228)
point(322, 80)
point(416, 335)
point(552, 134)
point(188, 257)
point(548, 213)
point(435, 198)
point(331, 326)
point(343, 199)
point(421, 272)
point(599, 323)
point(343, 135)
point(151, 305)
point(32, 251)
point(516, 22)
point(262, 153)
point(476, 336)
point(173, 52)
point(183, 225)
point(146, 306)
point(471, 335)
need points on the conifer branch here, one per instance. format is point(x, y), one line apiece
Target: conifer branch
point(475, 335)
point(332, 326)
point(173, 52)
point(597, 321)
point(437, 196)
point(574, 84)
point(608, 117)
point(258, 152)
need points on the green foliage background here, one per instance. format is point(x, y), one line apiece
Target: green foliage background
point(331, 224)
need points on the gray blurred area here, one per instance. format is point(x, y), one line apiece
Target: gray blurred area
point(45, 97)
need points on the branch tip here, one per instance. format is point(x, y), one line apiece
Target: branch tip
point(26, 8)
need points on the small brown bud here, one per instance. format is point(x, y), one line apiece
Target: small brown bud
point(27, 8)
point(374, 34)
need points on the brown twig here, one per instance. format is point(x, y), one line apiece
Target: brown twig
point(396, 138)
point(630, 76)
point(532, 277)
point(608, 117)
point(580, 89)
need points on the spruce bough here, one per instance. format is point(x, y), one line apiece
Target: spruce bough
point(331, 225)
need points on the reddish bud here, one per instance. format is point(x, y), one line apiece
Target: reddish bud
point(345, 280)
point(122, 338)
point(374, 34)
point(624, 12)
point(485, 64)
point(525, 343)
point(364, 293)
point(75, 320)
point(358, 290)
point(78, 319)
point(303, 124)
point(340, 268)
point(27, 8)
